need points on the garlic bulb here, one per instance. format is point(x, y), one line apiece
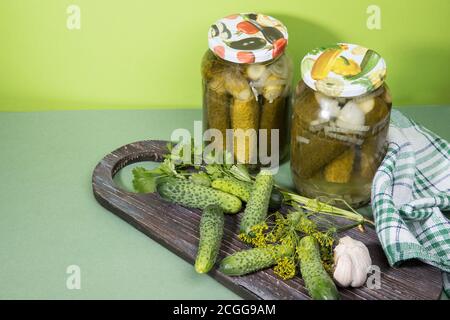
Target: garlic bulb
point(352, 262)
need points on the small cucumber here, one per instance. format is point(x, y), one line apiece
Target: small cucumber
point(248, 261)
point(242, 190)
point(258, 204)
point(211, 232)
point(192, 195)
point(319, 284)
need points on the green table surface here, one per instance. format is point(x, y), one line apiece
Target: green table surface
point(50, 220)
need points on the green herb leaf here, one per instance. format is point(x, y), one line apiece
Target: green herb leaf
point(201, 178)
point(144, 180)
point(240, 172)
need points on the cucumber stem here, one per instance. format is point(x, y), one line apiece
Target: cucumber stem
point(325, 208)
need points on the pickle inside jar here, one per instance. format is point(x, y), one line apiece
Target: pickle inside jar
point(246, 96)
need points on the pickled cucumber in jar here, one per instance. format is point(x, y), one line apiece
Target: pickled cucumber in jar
point(246, 86)
point(340, 121)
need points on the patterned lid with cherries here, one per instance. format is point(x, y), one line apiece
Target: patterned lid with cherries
point(248, 38)
point(343, 70)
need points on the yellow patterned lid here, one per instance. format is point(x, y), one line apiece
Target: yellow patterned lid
point(343, 70)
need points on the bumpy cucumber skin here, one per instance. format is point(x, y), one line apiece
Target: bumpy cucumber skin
point(240, 189)
point(319, 284)
point(193, 195)
point(248, 261)
point(211, 232)
point(258, 204)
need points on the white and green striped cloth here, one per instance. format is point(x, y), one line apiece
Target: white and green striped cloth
point(410, 194)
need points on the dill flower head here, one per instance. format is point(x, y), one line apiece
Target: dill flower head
point(288, 241)
point(306, 226)
point(245, 238)
point(279, 229)
point(285, 268)
point(258, 237)
point(271, 237)
point(325, 239)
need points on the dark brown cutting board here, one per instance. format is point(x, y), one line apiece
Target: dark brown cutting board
point(176, 228)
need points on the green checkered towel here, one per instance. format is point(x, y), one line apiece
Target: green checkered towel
point(410, 191)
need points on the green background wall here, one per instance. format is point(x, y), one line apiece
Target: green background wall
point(142, 53)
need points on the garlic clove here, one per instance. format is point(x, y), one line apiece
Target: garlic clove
point(343, 271)
point(359, 269)
point(366, 105)
point(347, 241)
point(273, 88)
point(329, 106)
point(351, 116)
point(236, 85)
point(255, 71)
point(280, 68)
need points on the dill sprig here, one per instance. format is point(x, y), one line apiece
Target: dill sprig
point(287, 230)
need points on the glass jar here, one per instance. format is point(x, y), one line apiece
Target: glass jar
point(339, 124)
point(246, 85)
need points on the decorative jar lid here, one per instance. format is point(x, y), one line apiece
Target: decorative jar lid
point(343, 70)
point(248, 38)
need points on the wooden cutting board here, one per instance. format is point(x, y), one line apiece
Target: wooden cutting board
point(176, 228)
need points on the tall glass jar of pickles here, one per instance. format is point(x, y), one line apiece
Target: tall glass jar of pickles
point(340, 121)
point(246, 83)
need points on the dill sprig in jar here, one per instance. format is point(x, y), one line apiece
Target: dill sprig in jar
point(246, 84)
point(340, 122)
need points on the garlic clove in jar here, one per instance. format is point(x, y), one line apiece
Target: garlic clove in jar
point(352, 261)
point(273, 88)
point(255, 71)
point(329, 106)
point(351, 117)
point(366, 105)
point(281, 67)
point(236, 85)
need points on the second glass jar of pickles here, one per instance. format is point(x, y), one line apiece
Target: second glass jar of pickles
point(339, 125)
point(246, 81)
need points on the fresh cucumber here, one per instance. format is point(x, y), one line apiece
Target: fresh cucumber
point(242, 190)
point(211, 232)
point(258, 204)
point(192, 195)
point(251, 260)
point(317, 281)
